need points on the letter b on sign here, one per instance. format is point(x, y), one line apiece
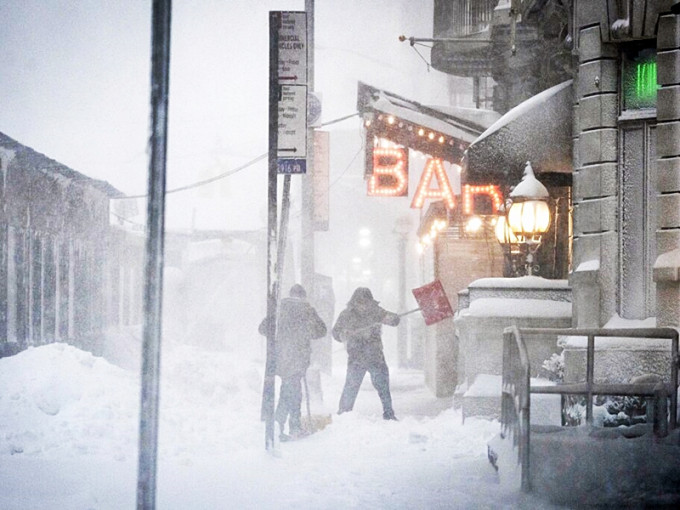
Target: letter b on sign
point(390, 173)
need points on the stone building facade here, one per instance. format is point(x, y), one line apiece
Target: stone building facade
point(623, 132)
point(624, 58)
point(626, 196)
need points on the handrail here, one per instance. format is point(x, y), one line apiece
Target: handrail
point(516, 388)
point(644, 333)
point(515, 401)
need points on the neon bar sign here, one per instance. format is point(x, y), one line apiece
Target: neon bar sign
point(390, 173)
point(390, 179)
point(434, 169)
point(469, 192)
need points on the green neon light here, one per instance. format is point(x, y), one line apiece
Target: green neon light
point(645, 80)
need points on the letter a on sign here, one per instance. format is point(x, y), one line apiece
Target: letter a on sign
point(390, 173)
point(434, 168)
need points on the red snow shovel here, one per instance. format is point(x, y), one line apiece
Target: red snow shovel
point(433, 303)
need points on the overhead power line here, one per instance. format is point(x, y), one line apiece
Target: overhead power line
point(235, 170)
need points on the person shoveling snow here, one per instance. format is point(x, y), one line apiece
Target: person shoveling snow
point(298, 323)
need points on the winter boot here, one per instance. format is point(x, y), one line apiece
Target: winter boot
point(389, 415)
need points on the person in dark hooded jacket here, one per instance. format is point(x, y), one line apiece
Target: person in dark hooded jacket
point(298, 324)
point(359, 326)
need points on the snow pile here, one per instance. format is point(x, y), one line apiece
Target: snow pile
point(59, 401)
point(69, 432)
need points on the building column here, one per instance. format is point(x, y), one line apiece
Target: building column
point(595, 246)
point(667, 266)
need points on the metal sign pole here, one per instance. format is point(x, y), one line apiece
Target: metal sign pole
point(153, 285)
point(307, 268)
point(269, 389)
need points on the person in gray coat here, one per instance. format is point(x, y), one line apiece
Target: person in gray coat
point(359, 326)
point(298, 324)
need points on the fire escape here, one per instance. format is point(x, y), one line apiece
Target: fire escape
point(523, 46)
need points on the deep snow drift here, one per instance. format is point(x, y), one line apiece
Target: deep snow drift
point(68, 440)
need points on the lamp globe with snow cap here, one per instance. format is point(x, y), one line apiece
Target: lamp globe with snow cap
point(529, 214)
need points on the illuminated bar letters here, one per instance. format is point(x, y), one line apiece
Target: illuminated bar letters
point(434, 169)
point(469, 191)
point(390, 173)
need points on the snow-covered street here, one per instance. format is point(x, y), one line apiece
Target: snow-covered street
point(68, 440)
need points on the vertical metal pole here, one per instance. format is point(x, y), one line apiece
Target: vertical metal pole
point(402, 344)
point(4, 259)
point(526, 449)
point(307, 185)
point(269, 389)
point(153, 286)
point(674, 381)
point(283, 231)
point(590, 377)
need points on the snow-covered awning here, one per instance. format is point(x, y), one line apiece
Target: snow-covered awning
point(443, 132)
point(538, 130)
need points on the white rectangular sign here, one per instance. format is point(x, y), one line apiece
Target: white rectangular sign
point(292, 141)
point(293, 48)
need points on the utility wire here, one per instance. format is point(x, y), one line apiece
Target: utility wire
point(235, 170)
point(295, 214)
point(207, 181)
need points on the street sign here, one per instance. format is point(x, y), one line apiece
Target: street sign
point(293, 48)
point(292, 78)
point(292, 166)
point(292, 140)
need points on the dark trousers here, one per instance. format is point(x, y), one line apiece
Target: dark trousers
point(290, 402)
point(357, 366)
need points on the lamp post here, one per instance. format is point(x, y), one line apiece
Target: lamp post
point(529, 215)
point(508, 241)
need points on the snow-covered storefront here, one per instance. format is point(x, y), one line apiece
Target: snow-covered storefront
point(54, 225)
point(624, 262)
point(410, 142)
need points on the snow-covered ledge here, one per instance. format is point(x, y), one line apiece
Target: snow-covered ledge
point(618, 359)
point(667, 266)
point(584, 281)
point(495, 304)
point(666, 274)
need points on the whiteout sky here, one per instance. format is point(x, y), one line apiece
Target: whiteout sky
point(75, 87)
point(75, 82)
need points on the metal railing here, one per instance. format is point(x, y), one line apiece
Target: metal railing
point(516, 388)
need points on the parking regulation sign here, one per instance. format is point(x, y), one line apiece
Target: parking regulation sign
point(292, 79)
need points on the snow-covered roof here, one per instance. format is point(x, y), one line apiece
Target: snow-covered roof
point(459, 125)
point(522, 108)
point(462, 124)
point(538, 130)
point(28, 159)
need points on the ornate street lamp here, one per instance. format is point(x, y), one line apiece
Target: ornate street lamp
point(529, 215)
point(508, 241)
